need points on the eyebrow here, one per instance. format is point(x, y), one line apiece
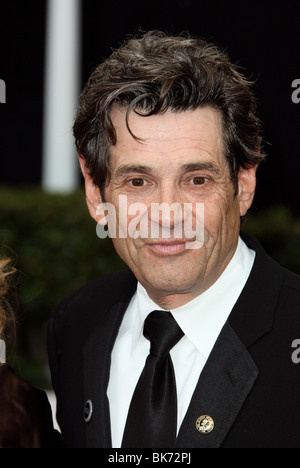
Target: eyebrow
point(204, 166)
point(128, 169)
point(189, 167)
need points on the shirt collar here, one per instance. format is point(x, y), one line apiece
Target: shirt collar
point(203, 318)
point(2, 352)
point(144, 305)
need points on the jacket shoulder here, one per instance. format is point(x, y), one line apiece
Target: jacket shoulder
point(291, 280)
point(289, 300)
point(98, 294)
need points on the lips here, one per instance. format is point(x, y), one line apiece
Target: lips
point(167, 247)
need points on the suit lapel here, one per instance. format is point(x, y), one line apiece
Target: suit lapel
point(253, 314)
point(223, 386)
point(97, 358)
point(96, 355)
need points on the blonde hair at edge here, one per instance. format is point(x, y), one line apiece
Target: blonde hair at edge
point(5, 311)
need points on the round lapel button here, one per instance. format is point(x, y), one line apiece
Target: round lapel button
point(87, 411)
point(205, 424)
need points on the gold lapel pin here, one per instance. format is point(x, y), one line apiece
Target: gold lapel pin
point(205, 424)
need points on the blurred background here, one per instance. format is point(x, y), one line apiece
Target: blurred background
point(48, 50)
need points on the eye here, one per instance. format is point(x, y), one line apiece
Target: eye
point(198, 180)
point(138, 182)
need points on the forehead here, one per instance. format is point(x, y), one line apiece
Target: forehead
point(178, 135)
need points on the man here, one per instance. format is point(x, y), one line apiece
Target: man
point(170, 122)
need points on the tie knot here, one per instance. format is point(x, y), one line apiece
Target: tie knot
point(163, 332)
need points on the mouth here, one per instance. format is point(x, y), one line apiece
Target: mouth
point(164, 248)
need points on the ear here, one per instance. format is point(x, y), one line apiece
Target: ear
point(247, 185)
point(92, 194)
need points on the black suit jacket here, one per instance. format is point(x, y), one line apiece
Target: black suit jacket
point(250, 385)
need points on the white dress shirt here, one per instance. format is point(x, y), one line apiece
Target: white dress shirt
point(201, 320)
point(2, 352)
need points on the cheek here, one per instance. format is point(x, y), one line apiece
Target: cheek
point(221, 217)
point(122, 248)
point(212, 217)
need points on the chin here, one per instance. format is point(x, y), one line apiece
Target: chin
point(169, 284)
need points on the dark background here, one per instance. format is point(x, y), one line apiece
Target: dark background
point(262, 37)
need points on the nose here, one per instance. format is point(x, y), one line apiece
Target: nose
point(166, 213)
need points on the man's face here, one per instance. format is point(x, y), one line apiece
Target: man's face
point(178, 158)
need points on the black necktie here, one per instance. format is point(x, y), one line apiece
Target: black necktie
point(152, 416)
